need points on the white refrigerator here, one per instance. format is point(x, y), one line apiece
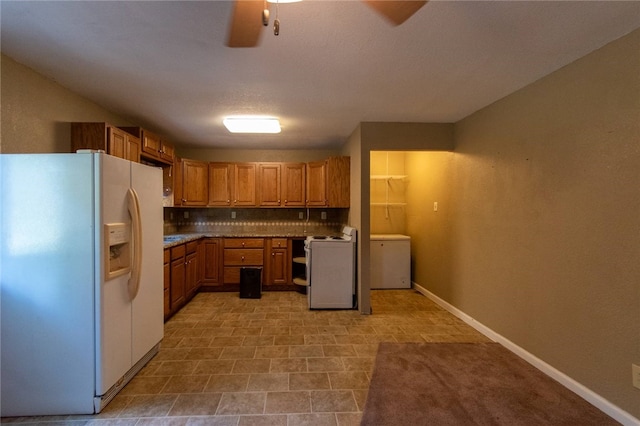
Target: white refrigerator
point(81, 279)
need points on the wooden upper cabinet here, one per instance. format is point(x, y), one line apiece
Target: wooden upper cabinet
point(244, 185)
point(152, 146)
point(269, 181)
point(339, 182)
point(293, 184)
point(316, 184)
point(328, 183)
point(194, 182)
point(220, 177)
point(103, 136)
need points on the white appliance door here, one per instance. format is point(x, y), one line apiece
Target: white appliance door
point(148, 304)
point(113, 322)
point(46, 284)
point(332, 275)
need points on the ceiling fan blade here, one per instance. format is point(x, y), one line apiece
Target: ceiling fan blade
point(246, 23)
point(395, 11)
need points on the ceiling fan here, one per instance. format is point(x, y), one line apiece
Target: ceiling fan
point(246, 23)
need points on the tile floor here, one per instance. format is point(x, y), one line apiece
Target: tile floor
point(231, 361)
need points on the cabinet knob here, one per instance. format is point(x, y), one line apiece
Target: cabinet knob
point(184, 200)
point(243, 258)
point(285, 201)
point(273, 253)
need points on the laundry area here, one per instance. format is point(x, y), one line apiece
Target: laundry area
point(408, 210)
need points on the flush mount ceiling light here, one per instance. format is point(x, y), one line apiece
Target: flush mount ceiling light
point(251, 124)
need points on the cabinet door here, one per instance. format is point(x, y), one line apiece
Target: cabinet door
point(220, 175)
point(279, 262)
point(317, 184)
point(244, 185)
point(293, 184)
point(167, 287)
point(191, 275)
point(269, 175)
point(151, 144)
point(117, 142)
point(195, 176)
point(167, 152)
point(132, 149)
point(338, 182)
point(212, 261)
point(178, 270)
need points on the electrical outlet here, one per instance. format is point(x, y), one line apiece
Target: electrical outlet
point(300, 215)
point(233, 215)
point(323, 215)
point(186, 215)
point(635, 370)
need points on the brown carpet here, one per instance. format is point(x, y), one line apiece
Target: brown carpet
point(468, 384)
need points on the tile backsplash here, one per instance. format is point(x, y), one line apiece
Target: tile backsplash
point(254, 221)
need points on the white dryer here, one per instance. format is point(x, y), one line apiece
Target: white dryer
point(390, 261)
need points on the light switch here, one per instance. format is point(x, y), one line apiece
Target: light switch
point(233, 215)
point(300, 215)
point(323, 215)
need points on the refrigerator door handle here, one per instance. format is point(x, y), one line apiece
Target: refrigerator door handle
point(133, 204)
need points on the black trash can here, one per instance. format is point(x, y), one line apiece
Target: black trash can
point(250, 283)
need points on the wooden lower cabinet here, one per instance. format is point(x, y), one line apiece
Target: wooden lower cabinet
point(214, 264)
point(178, 276)
point(278, 261)
point(191, 281)
point(181, 276)
point(167, 283)
point(241, 252)
point(210, 262)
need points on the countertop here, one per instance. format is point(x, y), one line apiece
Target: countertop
point(172, 240)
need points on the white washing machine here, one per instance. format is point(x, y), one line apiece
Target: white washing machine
point(390, 261)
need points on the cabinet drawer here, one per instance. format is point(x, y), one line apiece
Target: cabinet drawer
point(232, 275)
point(279, 243)
point(192, 246)
point(177, 252)
point(243, 257)
point(243, 242)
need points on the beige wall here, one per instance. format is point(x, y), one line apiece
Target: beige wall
point(429, 180)
point(36, 111)
point(546, 220)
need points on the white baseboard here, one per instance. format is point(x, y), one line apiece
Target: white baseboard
point(593, 398)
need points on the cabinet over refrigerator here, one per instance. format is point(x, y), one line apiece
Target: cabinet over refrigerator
point(81, 281)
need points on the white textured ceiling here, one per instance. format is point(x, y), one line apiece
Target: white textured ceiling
point(165, 66)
